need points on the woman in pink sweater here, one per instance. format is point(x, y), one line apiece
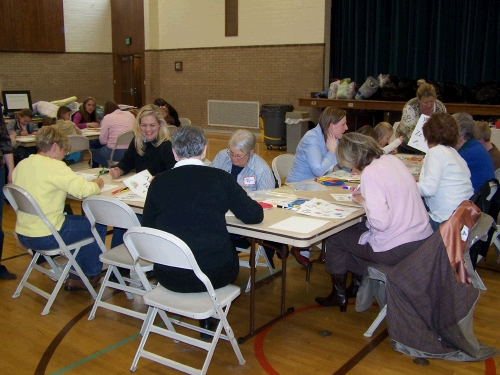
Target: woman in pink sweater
point(396, 223)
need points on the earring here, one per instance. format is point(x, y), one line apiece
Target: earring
point(55, 155)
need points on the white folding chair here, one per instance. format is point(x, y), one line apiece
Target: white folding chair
point(184, 121)
point(112, 212)
point(171, 129)
point(282, 165)
point(164, 248)
point(80, 143)
point(258, 254)
point(124, 138)
point(22, 201)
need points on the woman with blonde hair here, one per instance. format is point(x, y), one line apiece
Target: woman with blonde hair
point(425, 103)
point(49, 180)
point(150, 148)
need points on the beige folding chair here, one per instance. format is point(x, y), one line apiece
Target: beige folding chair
point(184, 121)
point(282, 165)
point(112, 212)
point(80, 143)
point(124, 138)
point(171, 129)
point(164, 248)
point(22, 201)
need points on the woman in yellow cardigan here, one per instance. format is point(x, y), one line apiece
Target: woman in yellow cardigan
point(48, 179)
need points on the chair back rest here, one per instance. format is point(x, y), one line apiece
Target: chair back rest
point(79, 143)
point(110, 212)
point(124, 138)
point(171, 129)
point(161, 247)
point(184, 121)
point(21, 200)
point(394, 129)
point(282, 165)
point(497, 174)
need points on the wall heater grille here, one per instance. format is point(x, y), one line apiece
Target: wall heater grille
point(233, 113)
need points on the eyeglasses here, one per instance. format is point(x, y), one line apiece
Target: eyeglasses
point(234, 155)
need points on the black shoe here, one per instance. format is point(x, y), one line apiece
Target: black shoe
point(5, 274)
point(338, 295)
point(209, 324)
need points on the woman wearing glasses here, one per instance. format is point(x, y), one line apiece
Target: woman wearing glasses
point(248, 168)
point(48, 179)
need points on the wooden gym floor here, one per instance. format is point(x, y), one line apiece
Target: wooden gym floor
point(65, 342)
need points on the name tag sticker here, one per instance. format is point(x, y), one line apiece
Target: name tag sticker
point(249, 180)
point(464, 233)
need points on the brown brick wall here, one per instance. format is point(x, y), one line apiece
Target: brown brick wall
point(267, 74)
point(52, 76)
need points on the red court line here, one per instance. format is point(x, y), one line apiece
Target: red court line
point(490, 367)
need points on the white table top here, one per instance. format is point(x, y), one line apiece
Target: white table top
point(272, 216)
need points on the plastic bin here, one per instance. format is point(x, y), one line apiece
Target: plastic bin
point(296, 126)
point(274, 124)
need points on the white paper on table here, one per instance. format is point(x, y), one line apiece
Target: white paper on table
point(417, 139)
point(107, 187)
point(321, 208)
point(139, 183)
point(230, 213)
point(299, 224)
point(342, 197)
point(87, 176)
point(306, 186)
point(344, 175)
point(130, 196)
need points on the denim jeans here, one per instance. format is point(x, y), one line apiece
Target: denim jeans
point(74, 228)
point(103, 154)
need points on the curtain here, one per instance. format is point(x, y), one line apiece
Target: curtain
point(441, 40)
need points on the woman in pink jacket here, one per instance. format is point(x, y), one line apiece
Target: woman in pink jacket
point(396, 219)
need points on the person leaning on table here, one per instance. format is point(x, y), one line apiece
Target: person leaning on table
point(250, 171)
point(396, 219)
point(475, 155)
point(194, 210)
point(48, 180)
point(150, 149)
point(315, 156)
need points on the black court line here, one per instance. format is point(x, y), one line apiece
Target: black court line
point(14, 256)
point(359, 356)
point(49, 352)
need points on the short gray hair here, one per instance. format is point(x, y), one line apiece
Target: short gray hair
point(465, 124)
point(243, 140)
point(189, 141)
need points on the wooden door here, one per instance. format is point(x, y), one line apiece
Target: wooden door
point(129, 86)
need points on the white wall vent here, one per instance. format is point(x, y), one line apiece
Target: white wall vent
point(233, 113)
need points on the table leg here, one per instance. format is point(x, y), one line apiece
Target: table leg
point(283, 313)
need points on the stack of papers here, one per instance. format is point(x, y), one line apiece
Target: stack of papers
point(139, 183)
point(321, 208)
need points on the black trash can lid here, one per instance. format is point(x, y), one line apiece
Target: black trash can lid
point(276, 108)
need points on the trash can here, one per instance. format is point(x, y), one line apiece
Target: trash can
point(296, 126)
point(274, 124)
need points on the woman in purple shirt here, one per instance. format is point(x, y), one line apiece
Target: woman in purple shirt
point(396, 219)
point(86, 116)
